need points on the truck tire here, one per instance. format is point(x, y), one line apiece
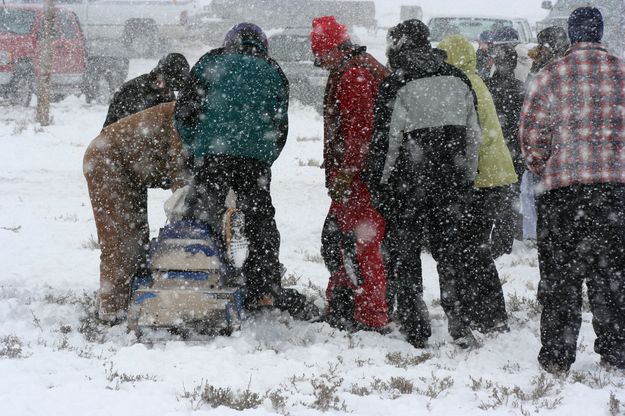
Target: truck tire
point(22, 85)
point(100, 90)
point(141, 37)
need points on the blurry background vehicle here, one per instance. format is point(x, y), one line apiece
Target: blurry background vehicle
point(75, 69)
point(472, 26)
point(410, 12)
point(215, 19)
point(291, 48)
point(613, 12)
point(143, 27)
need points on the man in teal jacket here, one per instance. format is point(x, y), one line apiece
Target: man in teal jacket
point(233, 122)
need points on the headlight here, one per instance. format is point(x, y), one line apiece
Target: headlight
point(5, 58)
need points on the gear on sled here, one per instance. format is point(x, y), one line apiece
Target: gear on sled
point(194, 281)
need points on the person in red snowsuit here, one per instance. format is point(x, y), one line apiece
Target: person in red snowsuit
point(353, 230)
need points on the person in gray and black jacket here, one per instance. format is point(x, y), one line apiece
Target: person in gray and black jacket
point(422, 162)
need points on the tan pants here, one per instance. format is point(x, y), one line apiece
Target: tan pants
point(138, 152)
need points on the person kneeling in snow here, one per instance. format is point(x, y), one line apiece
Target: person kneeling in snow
point(140, 151)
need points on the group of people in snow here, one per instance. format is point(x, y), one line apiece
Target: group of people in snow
point(423, 153)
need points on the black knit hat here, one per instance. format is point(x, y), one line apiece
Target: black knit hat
point(586, 25)
point(505, 34)
point(555, 39)
point(411, 33)
point(175, 69)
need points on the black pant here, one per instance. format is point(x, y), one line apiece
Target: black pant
point(430, 216)
point(250, 179)
point(404, 244)
point(581, 238)
point(507, 224)
point(485, 303)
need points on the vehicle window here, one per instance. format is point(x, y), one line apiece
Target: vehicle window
point(68, 26)
point(54, 30)
point(18, 22)
point(469, 27)
point(286, 48)
point(524, 36)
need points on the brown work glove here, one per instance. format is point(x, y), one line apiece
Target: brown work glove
point(540, 55)
point(341, 185)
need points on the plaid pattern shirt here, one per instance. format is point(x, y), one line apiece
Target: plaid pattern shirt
point(573, 121)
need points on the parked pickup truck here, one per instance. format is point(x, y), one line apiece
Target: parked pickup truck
point(75, 70)
point(141, 25)
point(219, 16)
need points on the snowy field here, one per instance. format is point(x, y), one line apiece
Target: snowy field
point(55, 359)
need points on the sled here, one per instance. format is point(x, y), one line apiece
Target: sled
point(192, 286)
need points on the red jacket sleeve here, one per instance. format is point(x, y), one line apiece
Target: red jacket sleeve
point(356, 94)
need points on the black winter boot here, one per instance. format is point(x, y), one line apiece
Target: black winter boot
point(296, 304)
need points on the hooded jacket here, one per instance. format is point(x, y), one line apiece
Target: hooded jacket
point(136, 95)
point(426, 127)
point(235, 104)
point(495, 166)
point(348, 108)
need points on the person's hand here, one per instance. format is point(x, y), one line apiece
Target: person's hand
point(341, 185)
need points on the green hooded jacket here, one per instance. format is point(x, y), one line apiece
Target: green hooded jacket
point(236, 104)
point(495, 166)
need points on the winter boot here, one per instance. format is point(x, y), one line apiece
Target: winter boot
point(296, 304)
point(233, 233)
point(341, 310)
point(462, 335)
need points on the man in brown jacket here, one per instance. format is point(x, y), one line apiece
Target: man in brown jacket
point(140, 151)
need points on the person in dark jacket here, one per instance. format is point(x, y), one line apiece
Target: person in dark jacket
point(233, 120)
point(145, 91)
point(354, 229)
point(553, 42)
point(508, 94)
point(573, 139)
point(484, 58)
point(422, 162)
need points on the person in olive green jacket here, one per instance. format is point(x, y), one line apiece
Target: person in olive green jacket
point(484, 303)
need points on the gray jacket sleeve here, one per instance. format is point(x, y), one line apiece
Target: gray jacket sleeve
point(474, 137)
point(395, 136)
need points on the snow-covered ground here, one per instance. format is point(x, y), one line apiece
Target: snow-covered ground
point(56, 360)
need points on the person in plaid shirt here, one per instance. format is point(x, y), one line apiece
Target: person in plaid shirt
point(573, 137)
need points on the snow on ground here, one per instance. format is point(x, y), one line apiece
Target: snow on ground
point(56, 360)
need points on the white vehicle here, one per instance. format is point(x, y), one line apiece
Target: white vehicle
point(472, 26)
point(141, 25)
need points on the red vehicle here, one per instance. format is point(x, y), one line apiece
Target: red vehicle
point(73, 71)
